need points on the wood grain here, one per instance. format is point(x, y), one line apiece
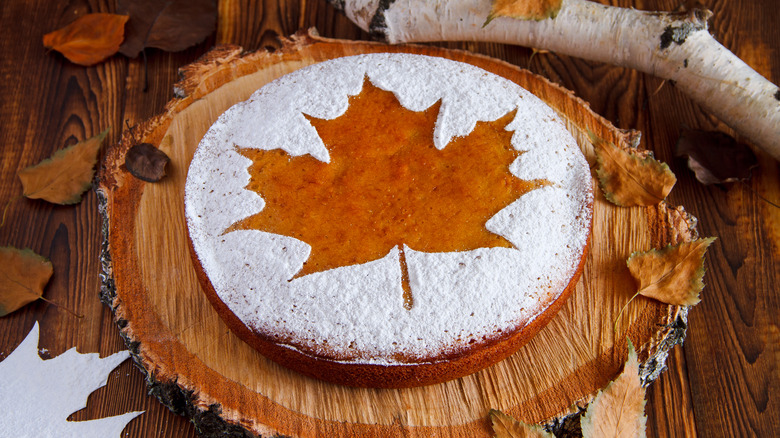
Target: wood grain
point(723, 382)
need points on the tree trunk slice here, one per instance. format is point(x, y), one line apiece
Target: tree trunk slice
point(197, 367)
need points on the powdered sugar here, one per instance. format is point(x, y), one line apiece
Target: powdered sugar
point(356, 312)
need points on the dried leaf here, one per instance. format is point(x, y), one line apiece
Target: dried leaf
point(356, 213)
point(37, 396)
point(505, 426)
point(90, 39)
point(619, 409)
point(146, 162)
point(62, 178)
point(171, 25)
point(672, 275)
point(715, 157)
point(628, 180)
point(525, 9)
point(23, 275)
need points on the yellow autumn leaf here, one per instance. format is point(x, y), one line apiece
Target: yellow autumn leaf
point(672, 275)
point(618, 411)
point(628, 180)
point(23, 275)
point(524, 9)
point(62, 178)
point(505, 426)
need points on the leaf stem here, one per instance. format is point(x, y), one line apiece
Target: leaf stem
point(7, 206)
point(617, 320)
point(755, 193)
point(408, 298)
point(63, 308)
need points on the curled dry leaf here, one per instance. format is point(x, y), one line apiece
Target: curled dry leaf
point(62, 178)
point(171, 25)
point(629, 180)
point(716, 157)
point(619, 409)
point(505, 426)
point(23, 275)
point(672, 275)
point(524, 9)
point(90, 39)
point(146, 162)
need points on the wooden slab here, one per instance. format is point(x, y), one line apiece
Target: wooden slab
point(197, 367)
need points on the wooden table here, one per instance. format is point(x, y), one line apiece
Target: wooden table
point(724, 381)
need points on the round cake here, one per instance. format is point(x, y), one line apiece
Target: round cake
point(388, 220)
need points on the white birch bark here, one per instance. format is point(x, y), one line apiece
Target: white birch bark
point(671, 46)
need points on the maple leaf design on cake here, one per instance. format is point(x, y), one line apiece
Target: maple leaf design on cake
point(518, 244)
point(386, 186)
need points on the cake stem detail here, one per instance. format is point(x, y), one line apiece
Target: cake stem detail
point(408, 298)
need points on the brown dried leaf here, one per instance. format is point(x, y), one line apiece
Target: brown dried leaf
point(715, 157)
point(146, 162)
point(628, 180)
point(619, 409)
point(171, 25)
point(525, 9)
point(505, 426)
point(672, 275)
point(62, 178)
point(90, 39)
point(23, 275)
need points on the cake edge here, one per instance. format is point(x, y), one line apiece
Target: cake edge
point(461, 362)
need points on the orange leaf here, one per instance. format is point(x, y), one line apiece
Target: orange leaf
point(23, 275)
point(352, 213)
point(90, 39)
point(525, 9)
point(64, 176)
point(628, 180)
point(672, 275)
point(618, 411)
point(505, 426)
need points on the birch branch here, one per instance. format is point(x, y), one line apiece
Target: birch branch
point(671, 46)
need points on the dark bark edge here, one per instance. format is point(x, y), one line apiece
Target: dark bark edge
point(208, 423)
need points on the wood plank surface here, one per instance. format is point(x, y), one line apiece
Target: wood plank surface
point(725, 380)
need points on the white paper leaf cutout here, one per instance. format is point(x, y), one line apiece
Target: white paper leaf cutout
point(37, 396)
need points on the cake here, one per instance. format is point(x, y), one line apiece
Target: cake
point(388, 220)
